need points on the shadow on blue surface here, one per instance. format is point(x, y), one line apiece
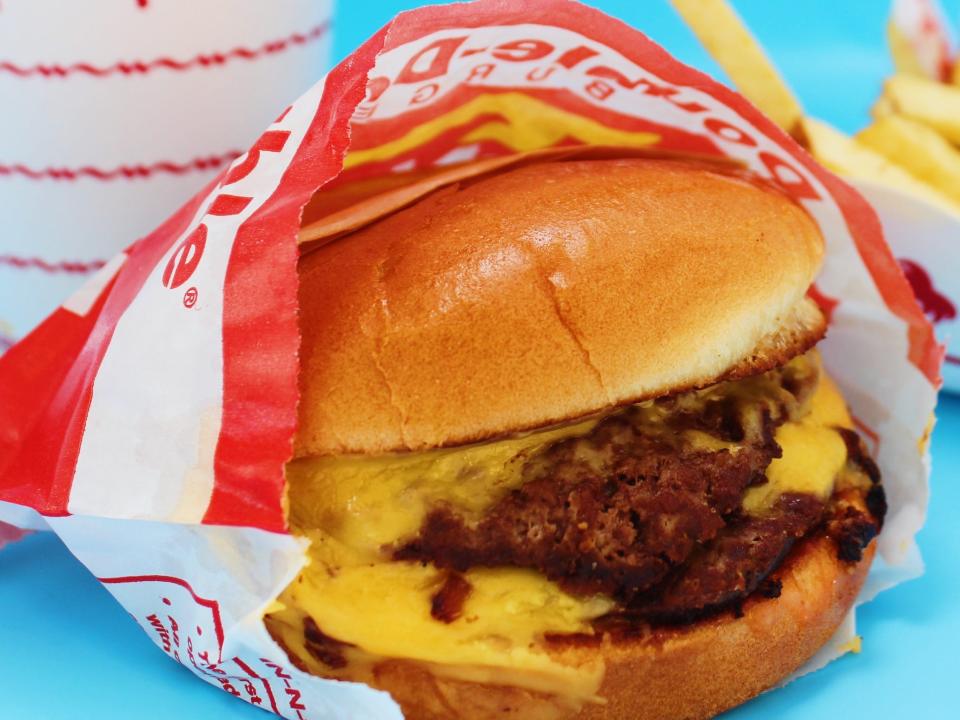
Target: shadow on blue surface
point(70, 652)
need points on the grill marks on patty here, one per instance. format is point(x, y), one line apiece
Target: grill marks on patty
point(639, 511)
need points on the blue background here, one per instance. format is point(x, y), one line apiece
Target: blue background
point(68, 652)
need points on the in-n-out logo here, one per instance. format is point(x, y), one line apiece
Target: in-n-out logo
point(188, 254)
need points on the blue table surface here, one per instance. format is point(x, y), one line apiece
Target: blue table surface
point(68, 652)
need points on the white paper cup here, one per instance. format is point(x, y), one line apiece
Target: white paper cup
point(123, 110)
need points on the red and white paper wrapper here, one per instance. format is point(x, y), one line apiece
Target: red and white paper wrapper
point(149, 419)
point(926, 238)
point(924, 26)
point(95, 103)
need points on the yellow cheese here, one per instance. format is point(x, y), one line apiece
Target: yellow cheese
point(813, 452)
point(352, 509)
point(356, 594)
point(384, 609)
point(366, 503)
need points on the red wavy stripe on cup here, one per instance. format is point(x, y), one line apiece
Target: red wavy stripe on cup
point(70, 267)
point(124, 172)
point(142, 67)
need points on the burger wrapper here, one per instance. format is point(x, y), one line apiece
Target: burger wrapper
point(148, 420)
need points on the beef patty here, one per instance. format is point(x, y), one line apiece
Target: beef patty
point(646, 508)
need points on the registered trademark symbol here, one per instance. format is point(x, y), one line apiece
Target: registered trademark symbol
point(190, 297)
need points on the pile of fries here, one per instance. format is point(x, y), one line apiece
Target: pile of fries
point(913, 141)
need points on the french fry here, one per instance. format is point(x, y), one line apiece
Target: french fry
point(903, 149)
point(905, 58)
point(918, 149)
point(846, 156)
point(882, 107)
point(934, 104)
point(733, 46)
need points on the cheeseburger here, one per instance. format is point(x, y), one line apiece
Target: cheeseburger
point(567, 450)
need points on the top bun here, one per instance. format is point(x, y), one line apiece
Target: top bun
point(546, 293)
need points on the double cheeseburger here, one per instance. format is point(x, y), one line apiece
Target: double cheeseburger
point(566, 449)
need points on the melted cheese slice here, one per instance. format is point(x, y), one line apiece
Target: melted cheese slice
point(350, 508)
point(813, 452)
point(368, 502)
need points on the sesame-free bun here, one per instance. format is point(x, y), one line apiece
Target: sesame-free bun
point(688, 673)
point(546, 293)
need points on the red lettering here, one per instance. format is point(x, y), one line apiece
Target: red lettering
point(251, 691)
point(572, 58)
point(161, 631)
point(225, 204)
point(205, 657)
point(522, 50)
point(936, 306)
point(540, 73)
point(788, 177)
point(479, 72)
point(174, 628)
point(729, 132)
point(376, 87)
point(179, 269)
point(599, 89)
point(652, 89)
point(276, 669)
point(618, 77)
point(424, 93)
point(364, 111)
point(270, 141)
point(438, 55)
point(295, 703)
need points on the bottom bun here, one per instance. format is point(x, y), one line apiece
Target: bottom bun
point(687, 673)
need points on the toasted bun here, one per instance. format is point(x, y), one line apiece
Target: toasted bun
point(691, 673)
point(547, 293)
